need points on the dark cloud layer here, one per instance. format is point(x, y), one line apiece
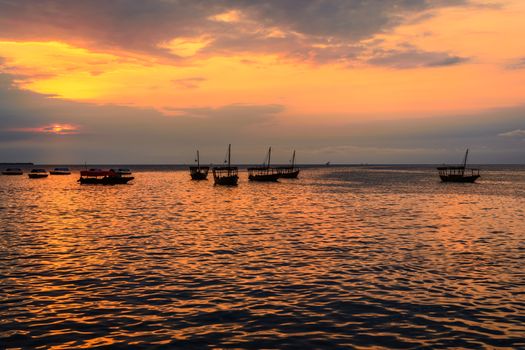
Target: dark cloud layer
point(315, 30)
point(116, 134)
point(414, 58)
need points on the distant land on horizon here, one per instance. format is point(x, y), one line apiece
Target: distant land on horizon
point(255, 164)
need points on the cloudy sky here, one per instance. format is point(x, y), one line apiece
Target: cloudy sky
point(346, 81)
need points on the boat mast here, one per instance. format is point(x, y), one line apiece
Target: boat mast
point(229, 154)
point(465, 162)
point(293, 159)
point(198, 160)
point(269, 156)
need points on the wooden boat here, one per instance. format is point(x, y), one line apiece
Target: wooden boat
point(38, 174)
point(199, 172)
point(60, 171)
point(103, 177)
point(458, 173)
point(226, 175)
point(12, 171)
point(289, 172)
point(264, 173)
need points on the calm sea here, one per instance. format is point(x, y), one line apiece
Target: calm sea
point(340, 258)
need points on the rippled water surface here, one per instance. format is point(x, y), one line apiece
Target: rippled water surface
point(341, 258)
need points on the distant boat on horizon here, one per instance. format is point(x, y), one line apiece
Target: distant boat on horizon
point(459, 173)
point(38, 174)
point(199, 172)
point(12, 171)
point(264, 173)
point(60, 171)
point(226, 175)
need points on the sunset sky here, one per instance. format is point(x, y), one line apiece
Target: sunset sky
point(346, 81)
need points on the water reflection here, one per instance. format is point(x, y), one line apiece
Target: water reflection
point(338, 258)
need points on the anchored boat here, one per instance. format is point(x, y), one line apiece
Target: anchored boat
point(458, 173)
point(226, 175)
point(199, 172)
point(264, 173)
point(103, 177)
point(38, 174)
point(60, 171)
point(12, 171)
point(289, 172)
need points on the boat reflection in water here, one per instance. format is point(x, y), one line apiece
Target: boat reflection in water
point(264, 173)
point(104, 177)
point(226, 175)
point(459, 173)
point(199, 172)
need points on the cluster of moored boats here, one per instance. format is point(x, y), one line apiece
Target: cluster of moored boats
point(227, 175)
point(91, 176)
point(37, 173)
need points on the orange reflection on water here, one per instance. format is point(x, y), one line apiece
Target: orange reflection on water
point(324, 259)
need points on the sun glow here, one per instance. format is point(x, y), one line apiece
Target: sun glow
point(57, 129)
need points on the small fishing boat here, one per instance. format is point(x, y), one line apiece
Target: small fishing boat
point(38, 174)
point(12, 171)
point(103, 177)
point(226, 175)
point(199, 172)
point(121, 171)
point(264, 173)
point(459, 173)
point(289, 172)
point(60, 171)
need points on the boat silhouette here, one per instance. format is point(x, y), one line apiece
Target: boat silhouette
point(199, 172)
point(459, 173)
point(38, 174)
point(12, 171)
point(60, 171)
point(103, 177)
point(226, 175)
point(264, 173)
point(289, 172)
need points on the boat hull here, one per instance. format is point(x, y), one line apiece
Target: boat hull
point(37, 176)
point(199, 173)
point(199, 176)
point(12, 173)
point(60, 172)
point(459, 178)
point(264, 177)
point(289, 175)
point(116, 180)
point(226, 180)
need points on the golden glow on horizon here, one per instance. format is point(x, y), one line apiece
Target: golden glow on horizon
point(57, 128)
point(488, 37)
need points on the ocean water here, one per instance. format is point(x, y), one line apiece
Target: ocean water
point(379, 257)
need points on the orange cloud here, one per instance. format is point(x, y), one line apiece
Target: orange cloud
point(359, 77)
